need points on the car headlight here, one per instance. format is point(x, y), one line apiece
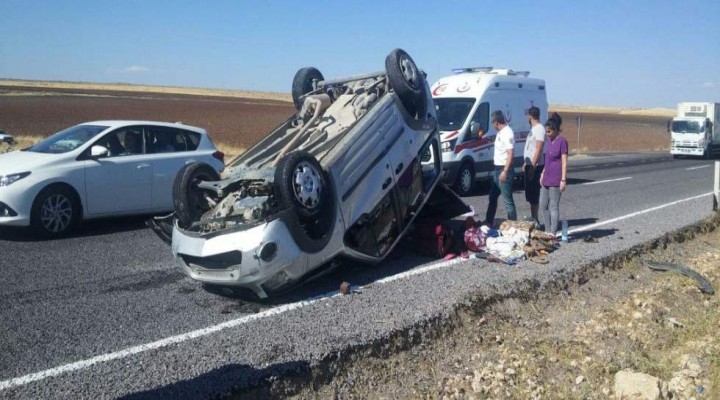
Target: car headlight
point(6, 180)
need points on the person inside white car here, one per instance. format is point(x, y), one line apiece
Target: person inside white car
point(133, 143)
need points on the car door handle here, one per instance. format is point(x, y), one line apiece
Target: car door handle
point(399, 169)
point(143, 166)
point(386, 183)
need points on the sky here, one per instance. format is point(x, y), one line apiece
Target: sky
point(601, 53)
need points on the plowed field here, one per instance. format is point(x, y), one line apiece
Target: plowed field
point(241, 122)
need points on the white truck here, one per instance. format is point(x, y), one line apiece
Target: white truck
point(695, 130)
point(464, 102)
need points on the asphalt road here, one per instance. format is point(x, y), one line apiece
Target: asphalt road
point(105, 313)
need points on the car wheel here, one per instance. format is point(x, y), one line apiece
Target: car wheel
point(302, 185)
point(303, 84)
point(55, 212)
point(408, 81)
point(465, 180)
point(189, 200)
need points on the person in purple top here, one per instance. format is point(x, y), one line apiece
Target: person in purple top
point(554, 176)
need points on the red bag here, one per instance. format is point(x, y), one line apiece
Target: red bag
point(474, 239)
point(433, 238)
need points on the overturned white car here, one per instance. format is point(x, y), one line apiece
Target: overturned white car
point(344, 176)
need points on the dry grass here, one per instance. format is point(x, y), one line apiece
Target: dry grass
point(21, 142)
point(230, 151)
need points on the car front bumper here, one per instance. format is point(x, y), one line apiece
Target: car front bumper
point(16, 203)
point(690, 151)
point(236, 258)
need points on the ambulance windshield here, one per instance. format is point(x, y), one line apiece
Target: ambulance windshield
point(452, 112)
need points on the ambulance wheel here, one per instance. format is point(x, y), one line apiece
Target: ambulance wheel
point(465, 180)
point(303, 84)
point(408, 82)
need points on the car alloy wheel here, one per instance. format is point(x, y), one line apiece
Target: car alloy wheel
point(307, 185)
point(409, 71)
point(56, 213)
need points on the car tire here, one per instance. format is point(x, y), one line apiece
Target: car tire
point(408, 82)
point(188, 199)
point(303, 84)
point(465, 181)
point(302, 186)
point(676, 156)
point(56, 211)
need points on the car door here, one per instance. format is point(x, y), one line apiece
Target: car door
point(171, 148)
point(121, 181)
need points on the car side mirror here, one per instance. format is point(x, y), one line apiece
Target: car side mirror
point(99, 151)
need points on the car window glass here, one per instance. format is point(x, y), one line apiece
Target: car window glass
point(430, 170)
point(68, 139)
point(479, 122)
point(192, 139)
point(163, 140)
point(452, 112)
point(123, 142)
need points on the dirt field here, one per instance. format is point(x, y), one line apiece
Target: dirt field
point(37, 110)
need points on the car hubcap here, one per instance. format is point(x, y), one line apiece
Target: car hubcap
point(56, 213)
point(409, 71)
point(466, 180)
point(307, 184)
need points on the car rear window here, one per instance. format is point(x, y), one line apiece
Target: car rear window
point(192, 139)
point(165, 140)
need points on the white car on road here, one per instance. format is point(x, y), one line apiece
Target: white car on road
point(6, 138)
point(98, 169)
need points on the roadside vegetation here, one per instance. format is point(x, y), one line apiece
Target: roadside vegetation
point(627, 331)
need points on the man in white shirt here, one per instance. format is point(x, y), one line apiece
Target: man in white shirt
point(534, 160)
point(504, 172)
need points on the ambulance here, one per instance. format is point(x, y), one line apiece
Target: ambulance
point(464, 102)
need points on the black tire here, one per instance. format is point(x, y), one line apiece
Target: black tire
point(303, 84)
point(676, 156)
point(465, 181)
point(188, 199)
point(408, 82)
point(310, 199)
point(56, 211)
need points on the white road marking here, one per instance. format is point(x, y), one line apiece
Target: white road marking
point(608, 180)
point(37, 376)
point(701, 166)
point(635, 214)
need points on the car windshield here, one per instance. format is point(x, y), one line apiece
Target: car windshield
point(67, 140)
point(687, 127)
point(452, 112)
